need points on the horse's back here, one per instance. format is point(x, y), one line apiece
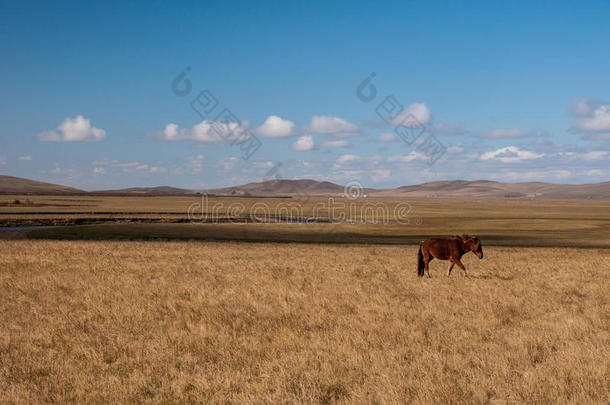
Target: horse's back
point(432, 242)
point(439, 248)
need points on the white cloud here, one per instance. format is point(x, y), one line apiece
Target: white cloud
point(387, 137)
point(275, 127)
point(414, 155)
point(510, 154)
point(562, 174)
point(263, 165)
point(503, 133)
point(326, 124)
point(348, 158)
point(205, 131)
point(595, 172)
point(418, 111)
point(593, 118)
point(73, 129)
point(455, 149)
point(304, 143)
point(2, 161)
point(583, 106)
point(25, 158)
point(125, 167)
point(594, 155)
point(349, 164)
point(586, 156)
point(335, 144)
point(597, 121)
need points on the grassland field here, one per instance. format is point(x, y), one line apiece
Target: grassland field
point(575, 223)
point(125, 300)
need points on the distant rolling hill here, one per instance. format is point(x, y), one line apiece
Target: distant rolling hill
point(307, 187)
point(438, 189)
point(495, 189)
point(282, 188)
point(161, 190)
point(18, 185)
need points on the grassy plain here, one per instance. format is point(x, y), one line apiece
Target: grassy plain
point(91, 321)
point(135, 307)
point(506, 222)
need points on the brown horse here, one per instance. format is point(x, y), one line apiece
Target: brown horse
point(451, 249)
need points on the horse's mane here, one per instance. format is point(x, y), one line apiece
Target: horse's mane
point(463, 237)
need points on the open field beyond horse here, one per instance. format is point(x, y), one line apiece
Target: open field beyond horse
point(506, 222)
point(116, 321)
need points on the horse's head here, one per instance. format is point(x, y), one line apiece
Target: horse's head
point(472, 244)
point(476, 247)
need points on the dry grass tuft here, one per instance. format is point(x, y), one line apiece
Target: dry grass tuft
point(252, 323)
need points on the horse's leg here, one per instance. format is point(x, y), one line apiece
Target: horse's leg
point(461, 266)
point(427, 259)
point(450, 268)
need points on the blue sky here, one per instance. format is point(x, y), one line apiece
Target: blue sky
point(510, 92)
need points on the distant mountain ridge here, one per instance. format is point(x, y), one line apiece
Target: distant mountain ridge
point(295, 188)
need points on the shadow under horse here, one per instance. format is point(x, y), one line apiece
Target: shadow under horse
point(451, 249)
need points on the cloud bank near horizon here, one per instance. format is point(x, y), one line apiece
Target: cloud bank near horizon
point(331, 148)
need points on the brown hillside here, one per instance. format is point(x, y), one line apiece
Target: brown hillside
point(18, 185)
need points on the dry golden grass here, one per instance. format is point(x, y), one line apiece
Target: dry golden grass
point(254, 323)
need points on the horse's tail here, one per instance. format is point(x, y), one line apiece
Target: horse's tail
point(420, 262)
